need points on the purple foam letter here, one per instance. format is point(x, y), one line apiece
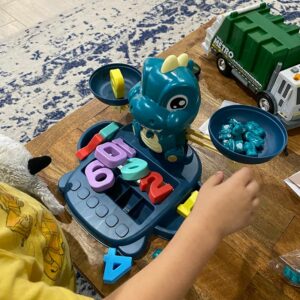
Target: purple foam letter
point(129, 150)
point(110, 155)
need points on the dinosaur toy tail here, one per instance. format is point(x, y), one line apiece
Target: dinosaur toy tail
point(36, 164)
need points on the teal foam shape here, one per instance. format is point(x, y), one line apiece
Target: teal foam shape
point(108, 131)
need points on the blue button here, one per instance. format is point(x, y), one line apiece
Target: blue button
point(111, 220)
point(92, 202)
point(75, 185)
point(122, 230)
point(83, 193)
point(101, 211)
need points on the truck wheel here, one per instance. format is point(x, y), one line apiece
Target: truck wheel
point(223, 66)
point(266, 102)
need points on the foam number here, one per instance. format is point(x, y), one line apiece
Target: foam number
point(110, 155)
point(99, 177)
point(131, 152)
point(154, 184)
point(135, 169)
point(185, 208)
point(90, 147)
point(115, 266)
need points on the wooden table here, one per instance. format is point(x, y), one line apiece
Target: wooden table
point(239, 268)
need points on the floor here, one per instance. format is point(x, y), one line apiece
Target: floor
point(18, 15)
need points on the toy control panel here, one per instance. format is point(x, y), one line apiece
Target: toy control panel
point(124, 215)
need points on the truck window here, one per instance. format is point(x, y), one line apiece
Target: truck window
point(281, 86)
point(286, 90)
point(298, 96)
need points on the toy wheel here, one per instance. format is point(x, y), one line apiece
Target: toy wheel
point(266, 102)
point(223, 66)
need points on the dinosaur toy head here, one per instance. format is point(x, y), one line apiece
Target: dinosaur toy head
point(168, 96)
point(165, 102)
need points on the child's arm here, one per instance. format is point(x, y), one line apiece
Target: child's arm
point(222, 208)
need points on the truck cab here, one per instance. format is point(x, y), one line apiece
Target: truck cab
point(286, 92)
point(262, 52)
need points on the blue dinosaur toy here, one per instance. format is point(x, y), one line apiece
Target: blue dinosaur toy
point(164, 104)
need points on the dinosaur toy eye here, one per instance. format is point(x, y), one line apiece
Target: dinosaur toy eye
point(177, 102)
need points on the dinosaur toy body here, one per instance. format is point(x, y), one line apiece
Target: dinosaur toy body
point(164, 104)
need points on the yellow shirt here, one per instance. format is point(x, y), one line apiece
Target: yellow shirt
point(34, 255)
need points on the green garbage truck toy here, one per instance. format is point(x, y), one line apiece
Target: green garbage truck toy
point(263, 53)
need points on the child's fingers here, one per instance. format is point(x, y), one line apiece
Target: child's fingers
point(242, 176)
point(255, 202)
point(215, 179)
point(253, 187)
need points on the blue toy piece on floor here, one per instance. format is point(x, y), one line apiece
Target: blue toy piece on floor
point(116, 266)
point(156, 253)
point(123, 216)
point(164, 104)
point(291, 275)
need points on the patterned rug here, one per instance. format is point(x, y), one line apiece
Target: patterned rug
point(44, 72)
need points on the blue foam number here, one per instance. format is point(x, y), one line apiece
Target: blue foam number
point(135, 169)
point(115, 266)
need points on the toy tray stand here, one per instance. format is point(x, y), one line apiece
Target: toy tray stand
point(123, 216)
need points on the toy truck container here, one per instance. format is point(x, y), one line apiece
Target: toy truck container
point(262, 52)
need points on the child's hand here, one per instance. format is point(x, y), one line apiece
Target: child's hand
point(226, 207)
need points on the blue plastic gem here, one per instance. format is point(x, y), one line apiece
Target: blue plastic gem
point(225, 136)
point(287, 272)
point(295, 279)
point(237, 130)
point(291, 275)
point(225, 130)
point(252, 125)
point(235, 135)
point(255, 139)
point(259, 131)
point(226, 127)
point(250, 149)
point(156, 253)
point(239, 146)
point(229, 144)
point(234, 122)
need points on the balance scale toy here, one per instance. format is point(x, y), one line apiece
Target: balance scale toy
point(141, 179)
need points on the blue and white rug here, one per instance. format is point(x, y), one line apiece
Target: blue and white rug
point(44, 72)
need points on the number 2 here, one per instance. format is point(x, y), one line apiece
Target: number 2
point(157, 190)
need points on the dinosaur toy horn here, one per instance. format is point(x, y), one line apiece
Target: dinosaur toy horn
point(170, 64)
point(36, 164)
point(183, 60)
